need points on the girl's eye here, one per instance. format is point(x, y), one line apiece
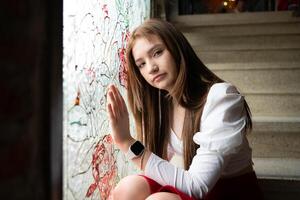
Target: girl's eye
point(141, 65)
point(157, 53)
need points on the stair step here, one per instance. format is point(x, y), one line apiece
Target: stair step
point(243, 29)
point(277, 168)
point(275, 144)
point(242, 56)
point(254, 66)
point(268, 81)
point(260, 54)
point(276, 105)
point(183, 21)
point(225, 43)
point(275, 137)
point(276, 124)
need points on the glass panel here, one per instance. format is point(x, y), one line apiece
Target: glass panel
point(94, 39)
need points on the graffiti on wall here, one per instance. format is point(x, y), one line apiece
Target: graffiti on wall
point(95, 33)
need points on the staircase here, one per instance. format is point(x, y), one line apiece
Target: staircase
point(260, 54)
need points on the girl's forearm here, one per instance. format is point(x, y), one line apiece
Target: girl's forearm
point(142, 160)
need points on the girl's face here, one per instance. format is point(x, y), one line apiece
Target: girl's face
point(155, 62)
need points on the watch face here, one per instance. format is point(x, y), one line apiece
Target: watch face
point(137, 148)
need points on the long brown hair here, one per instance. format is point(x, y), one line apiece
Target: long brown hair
point(151, 106)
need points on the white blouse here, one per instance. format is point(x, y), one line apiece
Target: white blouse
point(224, 149)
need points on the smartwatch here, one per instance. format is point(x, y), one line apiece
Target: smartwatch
point(135, 150)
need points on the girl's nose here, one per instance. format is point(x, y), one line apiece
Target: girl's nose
point(154, 68)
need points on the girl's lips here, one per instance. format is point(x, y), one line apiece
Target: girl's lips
point(158, 77)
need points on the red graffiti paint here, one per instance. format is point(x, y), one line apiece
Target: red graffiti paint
point(104, 168)
point(122, 54)
point(105, 11)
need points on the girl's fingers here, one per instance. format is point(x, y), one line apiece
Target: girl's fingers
point(110, 112)
point(118, 105)
point(118, 97)
point(119, 100)
point(122, 102)
point(113, 103)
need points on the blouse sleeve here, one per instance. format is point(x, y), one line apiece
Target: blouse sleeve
point(221, 135)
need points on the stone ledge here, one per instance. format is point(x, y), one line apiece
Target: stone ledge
point(276, 124)
point(248, 42)
point(254, 66)
point(277, 168)
point(280, 28)
point(250, 56)
point(267, 82)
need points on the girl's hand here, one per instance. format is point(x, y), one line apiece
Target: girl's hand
point(119, 120)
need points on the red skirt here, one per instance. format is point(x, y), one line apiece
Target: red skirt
point(244, 187)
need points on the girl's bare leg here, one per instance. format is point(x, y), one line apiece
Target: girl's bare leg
point(163, 196)
point(131, 187)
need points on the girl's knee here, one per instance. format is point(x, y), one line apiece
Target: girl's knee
point(131, 187)
point(163, 196)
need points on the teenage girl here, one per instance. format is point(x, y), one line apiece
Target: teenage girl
point(180, 107)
